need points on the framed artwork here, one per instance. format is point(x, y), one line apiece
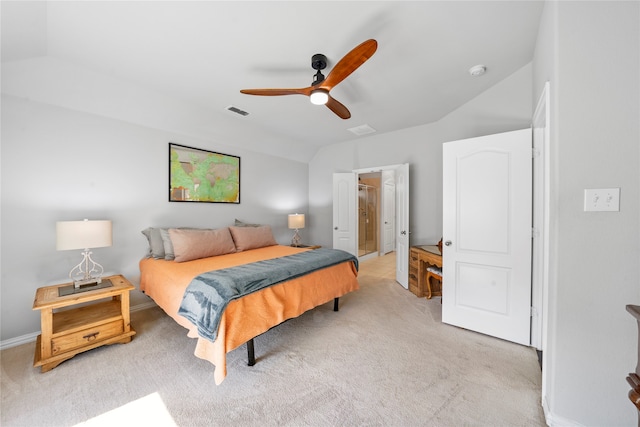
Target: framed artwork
point(197, 175)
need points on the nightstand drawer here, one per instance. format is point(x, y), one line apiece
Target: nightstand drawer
point(81, 338)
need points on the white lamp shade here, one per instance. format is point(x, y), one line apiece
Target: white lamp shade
point(296, 221)
point(83, 234)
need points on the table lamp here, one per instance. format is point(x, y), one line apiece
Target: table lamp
point(296, 221)
point(84, 235)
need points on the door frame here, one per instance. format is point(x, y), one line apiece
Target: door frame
point(379, 169)
point(393, 167)
point(540, 231)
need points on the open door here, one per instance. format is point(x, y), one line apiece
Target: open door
point(487, 200)
point(402, 225)
point(345, 195)
point(388, 211)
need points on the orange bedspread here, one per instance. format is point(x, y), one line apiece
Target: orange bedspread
point(253, 314)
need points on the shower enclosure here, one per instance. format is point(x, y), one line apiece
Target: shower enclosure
point(367, 219)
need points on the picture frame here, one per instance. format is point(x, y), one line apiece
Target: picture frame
point(203, 176)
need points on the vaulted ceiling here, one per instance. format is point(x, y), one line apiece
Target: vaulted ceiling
point(179, 65)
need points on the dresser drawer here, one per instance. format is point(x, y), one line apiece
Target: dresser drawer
point(72, 341)
point(414, 289)
point(413, 277)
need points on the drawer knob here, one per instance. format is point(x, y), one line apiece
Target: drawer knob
point(91, 337)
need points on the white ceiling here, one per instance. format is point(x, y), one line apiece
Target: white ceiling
point(202, 53)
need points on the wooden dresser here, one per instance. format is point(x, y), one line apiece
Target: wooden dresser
point(420, 258)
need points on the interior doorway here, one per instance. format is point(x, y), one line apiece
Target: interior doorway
point(368, 214)
point(392, 218)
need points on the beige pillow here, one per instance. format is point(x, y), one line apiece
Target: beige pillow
point(247, 238)
point(194, 244)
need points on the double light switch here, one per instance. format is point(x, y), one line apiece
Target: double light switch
point(602, 199)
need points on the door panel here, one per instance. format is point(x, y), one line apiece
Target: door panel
point(487, 235)
point(402, 229)
point(344, 212)
point(483, 230)
point(483, 288)
point(389, 204)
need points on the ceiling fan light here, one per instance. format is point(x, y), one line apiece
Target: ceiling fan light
point(319, 97)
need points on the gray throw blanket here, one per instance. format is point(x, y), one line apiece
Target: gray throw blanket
point(208, 294)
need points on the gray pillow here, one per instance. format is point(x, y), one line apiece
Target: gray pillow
point(239, 223)
point(156, 245)
point(166, 243)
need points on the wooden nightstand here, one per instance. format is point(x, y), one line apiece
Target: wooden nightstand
point(95, 323)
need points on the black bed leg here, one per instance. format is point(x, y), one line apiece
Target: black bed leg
point(335, 304)
point(251, 356)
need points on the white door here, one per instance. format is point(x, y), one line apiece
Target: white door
point(344, 212)
point(402, 225)
point(388, 211)
point(487, 235)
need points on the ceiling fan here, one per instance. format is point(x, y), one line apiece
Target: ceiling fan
point(319, 90)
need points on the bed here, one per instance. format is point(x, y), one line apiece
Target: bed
point(165, 278)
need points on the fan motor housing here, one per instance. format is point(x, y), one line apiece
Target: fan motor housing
point(318, 61)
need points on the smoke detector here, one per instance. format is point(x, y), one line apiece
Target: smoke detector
point(477, 70)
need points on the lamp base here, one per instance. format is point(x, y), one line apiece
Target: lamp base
point(295, 241)
point(90, 285)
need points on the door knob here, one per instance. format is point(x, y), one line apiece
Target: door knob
point(447, 243)
point(335, 228)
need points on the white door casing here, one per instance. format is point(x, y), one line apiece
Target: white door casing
point(487, 235)
point(540, 245)
point(344, 212)
point(541, 222)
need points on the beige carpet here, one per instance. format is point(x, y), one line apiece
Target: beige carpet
point(384, 359)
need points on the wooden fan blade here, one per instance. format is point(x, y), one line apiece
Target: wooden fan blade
point(277, 92)
point(337, 107)
point(349, 63)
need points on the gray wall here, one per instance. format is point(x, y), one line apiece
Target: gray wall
point(504, 107)
point(59, 164)
point(589, 51)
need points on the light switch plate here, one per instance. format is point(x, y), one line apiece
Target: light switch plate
point(602, 199)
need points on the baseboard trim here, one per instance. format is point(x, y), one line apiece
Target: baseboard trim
point(553, 420)
point(27, 338)
point(23, 339)
point(144, 306)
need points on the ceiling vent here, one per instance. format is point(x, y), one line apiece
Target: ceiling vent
point(362, 130)
point(237, 110)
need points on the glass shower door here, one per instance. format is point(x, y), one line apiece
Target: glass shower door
point(367, 220)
